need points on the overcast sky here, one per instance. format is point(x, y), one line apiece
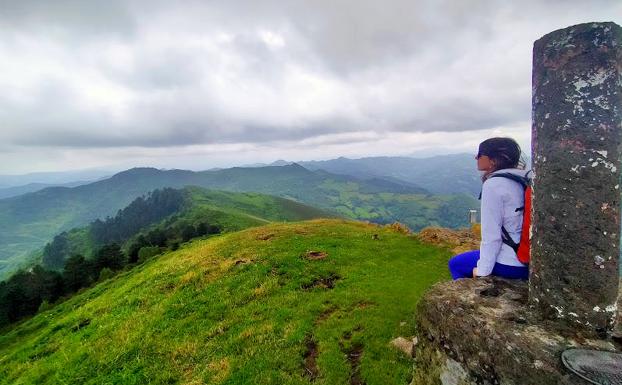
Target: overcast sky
point(200, 84)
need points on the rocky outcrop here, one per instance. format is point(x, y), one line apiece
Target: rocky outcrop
point(482, 331)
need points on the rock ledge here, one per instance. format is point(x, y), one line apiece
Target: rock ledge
point(482, 331)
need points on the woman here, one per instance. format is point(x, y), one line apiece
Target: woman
point(502, 203)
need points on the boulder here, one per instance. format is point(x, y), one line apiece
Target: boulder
point(483, 331)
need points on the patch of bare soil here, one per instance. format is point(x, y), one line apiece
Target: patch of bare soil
point(168, 287)
point(327, 282)
point(315, 255)
point(364, 304)
point(354, 355)
point(264, 236)
point(326, 314)
point(243, 261)
point(311, 370)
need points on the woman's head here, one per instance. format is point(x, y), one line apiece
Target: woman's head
point(498, 153)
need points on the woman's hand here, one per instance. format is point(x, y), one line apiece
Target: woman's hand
point(475, 272)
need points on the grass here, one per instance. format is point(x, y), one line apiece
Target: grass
point(240, 308)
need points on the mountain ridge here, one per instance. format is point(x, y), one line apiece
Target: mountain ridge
point(30, 220)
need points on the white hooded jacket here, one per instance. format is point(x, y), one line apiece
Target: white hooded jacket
point(500, 199)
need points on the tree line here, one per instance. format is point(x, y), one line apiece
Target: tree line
point(142, 212)
point(64, 272)
point(28, 291)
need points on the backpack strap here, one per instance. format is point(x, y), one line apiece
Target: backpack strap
point(524, 181)
point(505, 238)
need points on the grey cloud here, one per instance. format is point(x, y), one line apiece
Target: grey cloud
point(363, 47)
point(350, 35)
point(466, 115)
point(175, 67)
point(73, 19)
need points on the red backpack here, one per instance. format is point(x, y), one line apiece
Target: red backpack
point(522, 247)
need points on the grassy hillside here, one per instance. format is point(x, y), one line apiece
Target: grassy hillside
point(227, 211)
point(236, 211)
point(149, 226)
point(29, 221)
point(279, 304)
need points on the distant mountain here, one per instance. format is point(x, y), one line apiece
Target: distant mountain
point(8, 192)
point(443, 174)
point(28, 221)
point(279, 162)
point(53, 178)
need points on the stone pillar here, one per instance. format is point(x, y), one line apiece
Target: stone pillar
point(576, 138)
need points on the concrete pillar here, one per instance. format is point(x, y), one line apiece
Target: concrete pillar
point(576, 138)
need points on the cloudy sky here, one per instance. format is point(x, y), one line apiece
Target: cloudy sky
point(200, 84)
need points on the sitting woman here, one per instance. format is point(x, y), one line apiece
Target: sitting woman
point(502, 202)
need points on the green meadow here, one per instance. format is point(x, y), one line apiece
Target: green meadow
point(289, 303)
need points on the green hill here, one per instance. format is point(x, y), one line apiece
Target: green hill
point(227, 211)
point(279, 304)
point(173, 212)
point(29, 221)
point(149, 226)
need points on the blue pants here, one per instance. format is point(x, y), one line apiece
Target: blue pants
point(461, 266)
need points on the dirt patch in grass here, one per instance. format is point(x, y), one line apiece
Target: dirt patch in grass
point(326, 314)
point(354, 355)
point(243, 261)
point(327, 282)
point(364, 304)
point(42, 354)
point(353, 350)
point(219, 370)
point(311, 370)
point(167, 287)
point(315, 255)
point(264, 236)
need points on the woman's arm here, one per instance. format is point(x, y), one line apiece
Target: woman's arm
point(492, 220)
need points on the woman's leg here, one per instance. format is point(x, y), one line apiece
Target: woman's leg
point(511, 272)
point(461, 266)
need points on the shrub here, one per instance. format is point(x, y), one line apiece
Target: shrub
point(105, 274)
point(45, 305)
point(147, 252)
point(399, 228)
